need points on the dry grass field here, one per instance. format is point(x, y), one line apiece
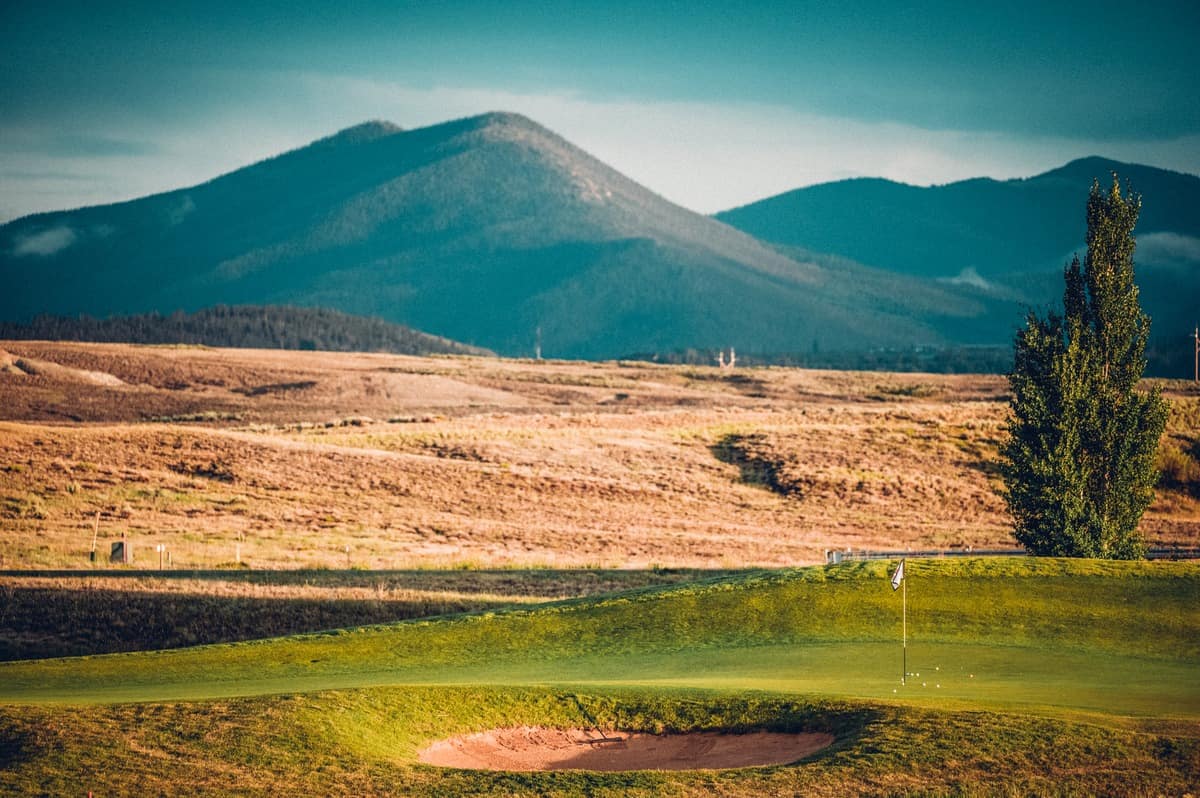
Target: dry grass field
point(272, 459)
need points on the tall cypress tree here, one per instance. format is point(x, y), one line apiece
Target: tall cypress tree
point(1079, 462)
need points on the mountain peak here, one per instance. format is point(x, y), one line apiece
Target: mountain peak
point(366, 131)
point(1095, 167)
point(504, 119)
point(1093, 162)
point(502, 125)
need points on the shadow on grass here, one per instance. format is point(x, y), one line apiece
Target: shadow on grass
point(143, 611)
point(755, 466)
point(680, 710)
point(49, 622)
point(534, 582)
point(990, 468)
point(15, 746)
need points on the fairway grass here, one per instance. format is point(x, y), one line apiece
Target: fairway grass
point(964, 676)
point(1037, 672)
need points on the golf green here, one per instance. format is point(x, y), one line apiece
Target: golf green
point(1109, 638)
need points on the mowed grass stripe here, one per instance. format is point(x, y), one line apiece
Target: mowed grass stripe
point(1115, 637)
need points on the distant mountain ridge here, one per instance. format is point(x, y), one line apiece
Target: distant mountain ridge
point(1007, 240)
point(995, 227)
point(246, 326)
point(489, 230)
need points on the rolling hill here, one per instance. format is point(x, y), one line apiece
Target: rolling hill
point(484, 230)
point(243, 326)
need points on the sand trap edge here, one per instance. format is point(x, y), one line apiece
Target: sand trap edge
point(537, 748)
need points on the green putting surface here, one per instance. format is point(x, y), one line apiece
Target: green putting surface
point(1112, 638)
point(943, 675)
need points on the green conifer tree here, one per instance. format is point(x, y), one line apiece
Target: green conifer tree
point(1078, 465)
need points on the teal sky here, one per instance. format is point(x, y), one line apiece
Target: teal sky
point(710, 104)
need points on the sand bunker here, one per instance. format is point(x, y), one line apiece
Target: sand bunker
point(536, 748)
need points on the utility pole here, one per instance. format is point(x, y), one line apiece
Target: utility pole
point(1196, 345)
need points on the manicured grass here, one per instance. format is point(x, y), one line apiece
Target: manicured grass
point(1084, 635)
point(1057, 677)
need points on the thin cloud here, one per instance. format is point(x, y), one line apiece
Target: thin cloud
point(45, 242)
point(80, 145)
point(45, 174)
point(1168, 248)
point(970, 278)
point(181, 210)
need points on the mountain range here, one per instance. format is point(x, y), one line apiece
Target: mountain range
point(989, 227)
point(1008, 240)
point(497, 232)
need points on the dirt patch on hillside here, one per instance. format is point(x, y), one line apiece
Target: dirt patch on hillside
point(529, 748)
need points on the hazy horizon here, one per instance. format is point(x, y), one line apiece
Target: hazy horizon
point(711, 106)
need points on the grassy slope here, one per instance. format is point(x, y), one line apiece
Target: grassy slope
point(829, 630)
point(1051, 636)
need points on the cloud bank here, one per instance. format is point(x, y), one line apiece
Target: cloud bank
point(1168, 248)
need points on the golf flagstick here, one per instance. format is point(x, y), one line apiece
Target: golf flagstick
point(898, 582)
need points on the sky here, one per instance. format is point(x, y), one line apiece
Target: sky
point(712, 105)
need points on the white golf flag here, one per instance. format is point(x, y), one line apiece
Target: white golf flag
point(898, 577)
